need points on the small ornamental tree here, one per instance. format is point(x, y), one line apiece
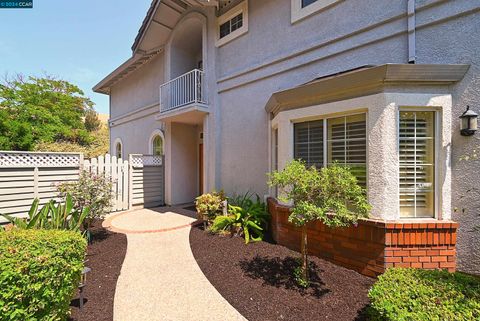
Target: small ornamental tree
point(331, 195)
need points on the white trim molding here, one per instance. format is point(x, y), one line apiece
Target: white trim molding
point(155, 133)
point(299, 12)
point(241, 8)
point(117, 140)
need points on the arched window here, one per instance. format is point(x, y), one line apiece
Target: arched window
point(118, 148)
point(157, 146)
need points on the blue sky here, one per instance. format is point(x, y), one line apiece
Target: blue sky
point(77, 40)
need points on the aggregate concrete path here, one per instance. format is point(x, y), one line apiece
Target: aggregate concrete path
point(160, 279)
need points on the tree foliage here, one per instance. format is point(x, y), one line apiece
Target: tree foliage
point(41, 110)
point(92, 122)
point(98, 146)
point(331, 195)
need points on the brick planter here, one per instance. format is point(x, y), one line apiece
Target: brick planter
point(373, 245)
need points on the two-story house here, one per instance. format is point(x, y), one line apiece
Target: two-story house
point(229, 90)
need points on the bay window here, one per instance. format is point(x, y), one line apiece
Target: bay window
point(417, 163)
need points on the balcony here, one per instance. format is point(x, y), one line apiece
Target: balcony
point(185, 91)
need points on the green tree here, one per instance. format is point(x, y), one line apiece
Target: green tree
point(331, 195)
point(35, 110)
point(92, 122)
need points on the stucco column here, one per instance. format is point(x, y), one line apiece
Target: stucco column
point(168, 163)
point(285, 136)
point(383, 163)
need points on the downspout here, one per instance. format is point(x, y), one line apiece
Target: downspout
point(411, 32)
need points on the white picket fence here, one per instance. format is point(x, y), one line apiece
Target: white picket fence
point(25, 176)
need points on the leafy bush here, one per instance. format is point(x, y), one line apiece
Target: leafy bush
point(413, 294)
point(52, 216)
point(246, 218)
point(39, 273)
point(90, 191)
point(210, 205)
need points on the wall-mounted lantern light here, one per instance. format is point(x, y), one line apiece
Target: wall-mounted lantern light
point(469, 122)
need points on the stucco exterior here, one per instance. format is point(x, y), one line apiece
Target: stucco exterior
point(276, 54)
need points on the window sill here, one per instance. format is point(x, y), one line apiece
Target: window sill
point(237, 33)
point(299, 13)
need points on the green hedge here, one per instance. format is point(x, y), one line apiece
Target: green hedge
point(413, 294)
point(39, 273)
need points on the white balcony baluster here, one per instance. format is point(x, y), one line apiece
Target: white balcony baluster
point(182, 91)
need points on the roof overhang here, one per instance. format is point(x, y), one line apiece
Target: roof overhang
point(124, 70)
point(157, 26)
point(363, 81)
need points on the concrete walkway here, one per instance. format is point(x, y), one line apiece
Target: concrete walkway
point(160, 279)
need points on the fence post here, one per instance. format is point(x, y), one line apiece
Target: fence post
point(119, 183)
point(35, 182)
point(130, 182)
point(113, 178)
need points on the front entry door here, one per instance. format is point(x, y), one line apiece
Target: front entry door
point(200, 168)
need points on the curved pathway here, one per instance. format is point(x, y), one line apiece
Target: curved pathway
point(160, 279)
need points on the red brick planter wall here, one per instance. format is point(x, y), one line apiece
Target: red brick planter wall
point(372, 246)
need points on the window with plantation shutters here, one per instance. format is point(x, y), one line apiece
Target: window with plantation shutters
point(417, 163)
point(347, 144)
point(308, 142)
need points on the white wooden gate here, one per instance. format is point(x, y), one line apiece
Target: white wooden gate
point(147, 180)
point(118, 171)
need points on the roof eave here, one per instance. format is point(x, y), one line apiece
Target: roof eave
point(363, 82)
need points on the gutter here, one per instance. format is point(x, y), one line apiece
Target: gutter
point(412, 52)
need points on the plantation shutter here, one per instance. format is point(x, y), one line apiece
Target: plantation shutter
point(308, 142)
point(417, 164)
point(347, 144)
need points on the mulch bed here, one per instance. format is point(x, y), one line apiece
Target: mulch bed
point(257, 280)
point(105, 258)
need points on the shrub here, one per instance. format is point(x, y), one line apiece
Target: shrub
point(92, 191)
point(246, 218)
point(52, 216)
point(39, 273)
point(210, 205)
point(412, 294)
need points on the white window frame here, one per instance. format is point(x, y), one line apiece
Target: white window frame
point(155, 133)
point(438, 137)
point(299, 13)
point(241, 8)
point(117, 141)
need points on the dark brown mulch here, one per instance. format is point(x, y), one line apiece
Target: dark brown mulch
point(257, 280)
point(105, 258)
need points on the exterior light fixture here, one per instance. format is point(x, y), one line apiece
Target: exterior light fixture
point(469, 122)
point(83, 282)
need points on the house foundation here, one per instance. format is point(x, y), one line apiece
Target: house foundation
point(373, 245)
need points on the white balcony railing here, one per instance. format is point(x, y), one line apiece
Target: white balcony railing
point(182, 91)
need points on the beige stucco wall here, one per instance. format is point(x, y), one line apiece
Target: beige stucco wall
point(182, 155)
point(135, 134)
point(139, 89)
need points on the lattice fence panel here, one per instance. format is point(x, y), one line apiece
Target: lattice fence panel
point(27, 159)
